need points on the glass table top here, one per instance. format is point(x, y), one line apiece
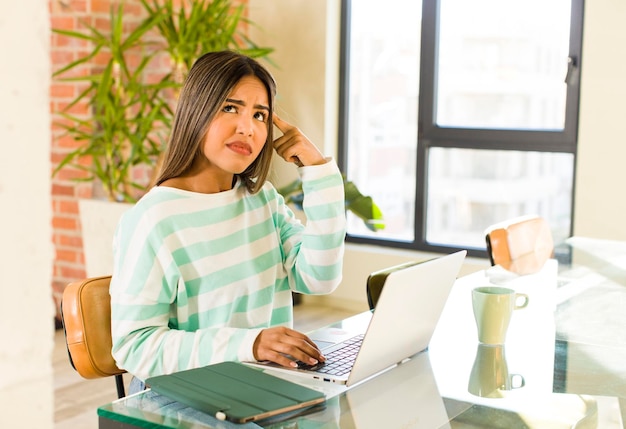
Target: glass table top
point(560, 367)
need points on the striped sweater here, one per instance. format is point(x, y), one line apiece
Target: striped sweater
point(198, 276)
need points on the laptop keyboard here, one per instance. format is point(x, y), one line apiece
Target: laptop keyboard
point(340, 360)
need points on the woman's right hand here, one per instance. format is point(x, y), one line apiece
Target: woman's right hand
point(294, 146)
point(285, 347)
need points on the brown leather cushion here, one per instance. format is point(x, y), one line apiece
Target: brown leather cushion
point(86, 312)
point(521, 245)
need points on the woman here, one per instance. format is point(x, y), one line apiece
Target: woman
point(206, 261)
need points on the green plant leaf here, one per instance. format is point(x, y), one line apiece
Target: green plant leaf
point(130, 116)
point(359, 204)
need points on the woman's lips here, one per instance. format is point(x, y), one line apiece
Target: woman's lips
point(240, 148)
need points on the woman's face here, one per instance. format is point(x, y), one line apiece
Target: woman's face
point(238, 131)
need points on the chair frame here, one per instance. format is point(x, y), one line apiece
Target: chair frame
point(376, 281)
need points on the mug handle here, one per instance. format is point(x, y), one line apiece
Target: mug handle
point(517, 297)
point(517, 381)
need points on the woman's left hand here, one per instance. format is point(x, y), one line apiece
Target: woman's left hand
point(294, 146)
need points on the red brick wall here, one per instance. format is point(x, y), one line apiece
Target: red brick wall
point(69, 261)
point(68, 264)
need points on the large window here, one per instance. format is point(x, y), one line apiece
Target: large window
point(457, 114)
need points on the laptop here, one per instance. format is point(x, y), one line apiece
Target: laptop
point(402, 324)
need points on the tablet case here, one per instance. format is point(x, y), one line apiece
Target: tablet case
point(235, 392)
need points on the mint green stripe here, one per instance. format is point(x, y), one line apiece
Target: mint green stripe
point(218, 246)
point(133, 217)
point(322, 183)
point(228, 275)
point(325, 241)
point(218, 316)
point(324, 211)
point(172, 224)
point(139, 350)
point(257, 299)
point(182, 297)
point(206, 351)
point(185, 351)
point(121, 311)
point(233, 345)
point(322, 272)
point(141, 272)
point(282, 316)
point(282, 285)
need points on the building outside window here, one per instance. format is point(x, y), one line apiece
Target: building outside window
point(459, 114)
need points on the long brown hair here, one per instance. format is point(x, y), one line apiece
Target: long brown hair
point(211, 78)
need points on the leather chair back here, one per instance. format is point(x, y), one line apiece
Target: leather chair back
point(521, 245)
point(86, 315)
point(376, 282)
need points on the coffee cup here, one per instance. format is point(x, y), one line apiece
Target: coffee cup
point(490, 374)
point(493, 307)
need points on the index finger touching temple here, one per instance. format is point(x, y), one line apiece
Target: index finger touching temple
point(280, 124)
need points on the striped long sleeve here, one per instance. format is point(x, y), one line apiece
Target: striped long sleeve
point(198, 276)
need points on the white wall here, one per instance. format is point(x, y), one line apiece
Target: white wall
point(26, 318)
point(305, 35)
point(600, 205)
point(305, 66)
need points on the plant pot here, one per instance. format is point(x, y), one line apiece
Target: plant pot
point(98, 221)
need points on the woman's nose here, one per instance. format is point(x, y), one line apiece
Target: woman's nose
point(244, 126)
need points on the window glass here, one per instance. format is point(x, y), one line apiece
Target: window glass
point(457, 115)
point(383, 95)
point(469, 189)
point(502, 64)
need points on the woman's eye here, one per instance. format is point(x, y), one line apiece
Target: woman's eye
point(229, 108)
point(261, 116)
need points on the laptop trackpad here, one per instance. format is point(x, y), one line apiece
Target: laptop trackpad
point(323, 344)
point(328, 337)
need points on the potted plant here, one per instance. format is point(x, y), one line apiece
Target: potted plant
point(130, 116)
point(129, 113)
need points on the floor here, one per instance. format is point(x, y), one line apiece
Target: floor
point(76, 399)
